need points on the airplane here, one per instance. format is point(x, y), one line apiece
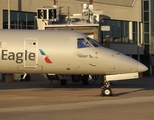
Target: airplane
point(65, 53)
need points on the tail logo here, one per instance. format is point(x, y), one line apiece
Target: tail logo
point(46, 58)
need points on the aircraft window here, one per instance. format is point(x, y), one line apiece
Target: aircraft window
point(93, 42)
point(82, 43)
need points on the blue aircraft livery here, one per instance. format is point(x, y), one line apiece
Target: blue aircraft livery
point(46, 58)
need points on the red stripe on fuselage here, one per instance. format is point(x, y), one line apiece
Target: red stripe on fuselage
point(47, 60)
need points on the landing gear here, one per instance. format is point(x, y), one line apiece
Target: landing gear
point(63, 82)
point(93, 79)
point(85, 79)
point(52, 77)
point(106, 90)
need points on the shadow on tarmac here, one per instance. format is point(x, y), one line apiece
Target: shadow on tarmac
point(123, 93)
point(146, 83)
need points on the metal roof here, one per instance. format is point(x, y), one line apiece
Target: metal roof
point(128, 3)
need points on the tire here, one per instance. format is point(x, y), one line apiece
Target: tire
point(85, 79)
point(63, 82)
point(106, 91)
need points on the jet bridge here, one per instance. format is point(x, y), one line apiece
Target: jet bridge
point(87, 22)
point(91, 30)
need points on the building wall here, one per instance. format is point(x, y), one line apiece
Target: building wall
point(117, 12)
point(22, 5)
point(113, 11)
point(122, 12)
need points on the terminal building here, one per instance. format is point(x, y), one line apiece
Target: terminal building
point(131, 22)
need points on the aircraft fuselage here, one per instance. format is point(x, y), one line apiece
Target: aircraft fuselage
point(58, 52)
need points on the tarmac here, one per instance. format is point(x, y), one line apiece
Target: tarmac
point(43, 100)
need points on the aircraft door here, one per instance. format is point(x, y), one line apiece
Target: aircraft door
point(30, 52)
